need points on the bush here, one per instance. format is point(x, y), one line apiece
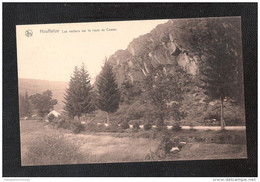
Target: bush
point(192, 127)
point(113, 127)
point(124, 125)
point(63, 122)
point(136, 126)
point(134, 111)
point(149, 117)
point(52, 149)
point(70, 124)
point(78, 127)
point(233, 114)
point(161, 127)
point(176, 127)
point(167, 141)
point(93, 127)
point(147, 126)
point(51, 117)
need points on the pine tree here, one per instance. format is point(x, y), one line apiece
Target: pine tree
point(108, 95)
point(78, 97)
point(86, 100)
point(71, 102)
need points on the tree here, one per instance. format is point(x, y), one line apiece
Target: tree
point(24, 105)
point(79, 95)
point(164, 90)
point(87, 100)
point(108, 95)
point(71, 95)
point(43, 103)
point(217, 44)
point(130, 91)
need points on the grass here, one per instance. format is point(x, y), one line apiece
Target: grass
point(52, 149)
point(104, 147)
point(206, 151)
point(41, 145)
point(93, 148)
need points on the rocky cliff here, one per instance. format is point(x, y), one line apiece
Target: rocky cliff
point(150, 50)
point(162, 46)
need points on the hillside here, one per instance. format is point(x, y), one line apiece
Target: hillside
point(32, 86)
point(158, 48)
point(167, 46)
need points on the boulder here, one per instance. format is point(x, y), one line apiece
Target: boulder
point(182, 143)
point(174, 150)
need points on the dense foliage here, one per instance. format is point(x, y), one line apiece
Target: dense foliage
point(43, 103)
point(25, 108)
point(164, 90)
point(217, 45)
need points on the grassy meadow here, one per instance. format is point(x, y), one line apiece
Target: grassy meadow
point(45, 144)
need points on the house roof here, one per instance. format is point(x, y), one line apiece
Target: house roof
point(55, 113)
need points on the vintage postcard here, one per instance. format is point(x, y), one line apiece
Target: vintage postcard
point(131, 91)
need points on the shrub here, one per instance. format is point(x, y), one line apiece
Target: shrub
point(51, 117)
point(136, 126)
point(167, 141)
point(176, 127)
point(52, 149)
point(149, 117)
point(70, 124)
point(124, 125)
point(78, 127)
point(160, 127)
point(147, 126)
point(233, 114)
point(134, 111)
point(93, 127)
point(113, 127)
point(192, 127)
point(233, 121)
point(64, 123)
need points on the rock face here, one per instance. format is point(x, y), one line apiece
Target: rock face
point(150, 50)
point(164, 46)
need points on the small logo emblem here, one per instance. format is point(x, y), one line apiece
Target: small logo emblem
point(28, 33)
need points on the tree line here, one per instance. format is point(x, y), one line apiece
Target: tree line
point(41, 104)
point(80, 97)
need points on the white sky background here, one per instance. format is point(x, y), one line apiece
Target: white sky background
point(53, 56)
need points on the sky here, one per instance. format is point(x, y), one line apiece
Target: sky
point(53, 50)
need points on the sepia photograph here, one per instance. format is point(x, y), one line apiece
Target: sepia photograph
point(131, 91)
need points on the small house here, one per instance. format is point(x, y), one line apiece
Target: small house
point(55, 113)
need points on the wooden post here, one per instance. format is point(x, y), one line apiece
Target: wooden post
point(223, 124)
